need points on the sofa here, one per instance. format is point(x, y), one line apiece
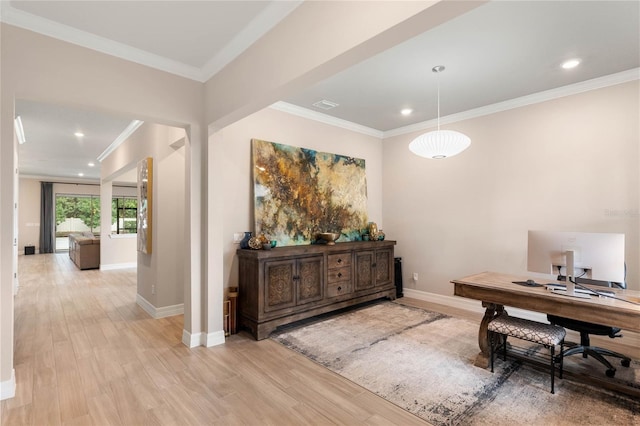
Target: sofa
point(84, 250)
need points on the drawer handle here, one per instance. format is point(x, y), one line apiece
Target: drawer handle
point(339, 274)
point(339, 260)
point(339, 288)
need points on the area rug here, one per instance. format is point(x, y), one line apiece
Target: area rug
point(422, 361)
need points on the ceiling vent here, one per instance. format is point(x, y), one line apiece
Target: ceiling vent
point(325, 104)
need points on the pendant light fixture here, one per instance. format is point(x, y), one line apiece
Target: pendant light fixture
point(439, 144)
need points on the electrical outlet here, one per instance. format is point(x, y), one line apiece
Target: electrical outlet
point(153, 289)
point(415, 276)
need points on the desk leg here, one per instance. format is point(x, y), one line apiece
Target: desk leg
point(492, 310)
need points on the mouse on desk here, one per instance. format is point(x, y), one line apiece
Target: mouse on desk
point(531, 282)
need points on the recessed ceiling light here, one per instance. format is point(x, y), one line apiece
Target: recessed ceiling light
point(571, 63)
point(80, 174)
point(406, 111)
point(91, 164)
point(79, 134)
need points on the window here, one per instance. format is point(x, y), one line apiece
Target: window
point(76, 214)
point(124, 215)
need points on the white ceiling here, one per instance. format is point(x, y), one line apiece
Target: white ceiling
point(497, 52)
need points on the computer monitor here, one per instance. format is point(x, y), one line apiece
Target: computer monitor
point(596, 256)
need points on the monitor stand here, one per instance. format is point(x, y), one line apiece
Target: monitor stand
point(570, 283)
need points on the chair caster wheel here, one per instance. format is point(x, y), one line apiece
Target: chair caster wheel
point(625, 362)
point(611, 373)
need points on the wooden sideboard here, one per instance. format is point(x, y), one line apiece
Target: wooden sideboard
point(287, 284)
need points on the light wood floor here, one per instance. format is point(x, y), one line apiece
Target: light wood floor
point(86, 354)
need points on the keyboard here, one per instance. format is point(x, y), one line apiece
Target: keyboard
point(562, 287)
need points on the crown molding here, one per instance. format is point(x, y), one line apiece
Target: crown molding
point(61, 179)
point(19, 18)
point(547, 95)
point(271, 16)
point(259, 26)
point(326, 119)
point(128, 131)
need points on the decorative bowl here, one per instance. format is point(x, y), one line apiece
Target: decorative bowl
point(329, 237)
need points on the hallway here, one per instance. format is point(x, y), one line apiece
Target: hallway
point(86, 354)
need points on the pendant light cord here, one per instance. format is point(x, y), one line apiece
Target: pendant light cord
point(438, 72)
point(438, 69)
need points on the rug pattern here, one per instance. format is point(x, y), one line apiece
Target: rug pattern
point(422, 361)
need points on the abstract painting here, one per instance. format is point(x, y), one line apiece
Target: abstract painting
point(299, 193)
point(145, 203)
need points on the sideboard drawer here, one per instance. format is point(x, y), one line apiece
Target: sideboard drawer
point(339, 274)
point(338, 260)
point(339, 288)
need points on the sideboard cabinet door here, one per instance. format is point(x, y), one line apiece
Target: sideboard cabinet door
point(279, 287)
point(384, 265)
point(365, 261)
point(310, 279)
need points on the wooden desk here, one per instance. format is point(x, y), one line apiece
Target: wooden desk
point(496, 290)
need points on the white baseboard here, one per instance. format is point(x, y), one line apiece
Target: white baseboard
point(191, 340)
point(203, 339)
point(631, 338)
point(8, 387)
point(213, 339)
point(470, 305)
point(161, 312)
point(113, 266)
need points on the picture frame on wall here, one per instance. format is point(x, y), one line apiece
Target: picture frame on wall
point(145, 203)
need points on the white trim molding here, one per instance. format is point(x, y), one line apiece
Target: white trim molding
point(191, 340)
point(8, 387)
point(547, 95)
point(470, 305)
point(631, 339)
point(161, 312)
point(212, 339)
point(122, 137)
point(114, 266)
point(271, 16)
point(326, 119)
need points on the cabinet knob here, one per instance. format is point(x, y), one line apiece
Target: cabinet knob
point(339, 274)
point(373, 265)
point(339, 260)
point(339, 288)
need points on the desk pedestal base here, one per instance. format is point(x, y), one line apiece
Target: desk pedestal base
point(492, 310)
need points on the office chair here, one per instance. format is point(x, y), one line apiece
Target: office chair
point(586, 329)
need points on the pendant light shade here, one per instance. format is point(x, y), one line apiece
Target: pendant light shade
point(439, 144)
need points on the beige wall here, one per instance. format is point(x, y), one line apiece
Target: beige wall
point(276, 126)
point(561, 165)
point(161, 273)
point(40, 68)
point(28, 214)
